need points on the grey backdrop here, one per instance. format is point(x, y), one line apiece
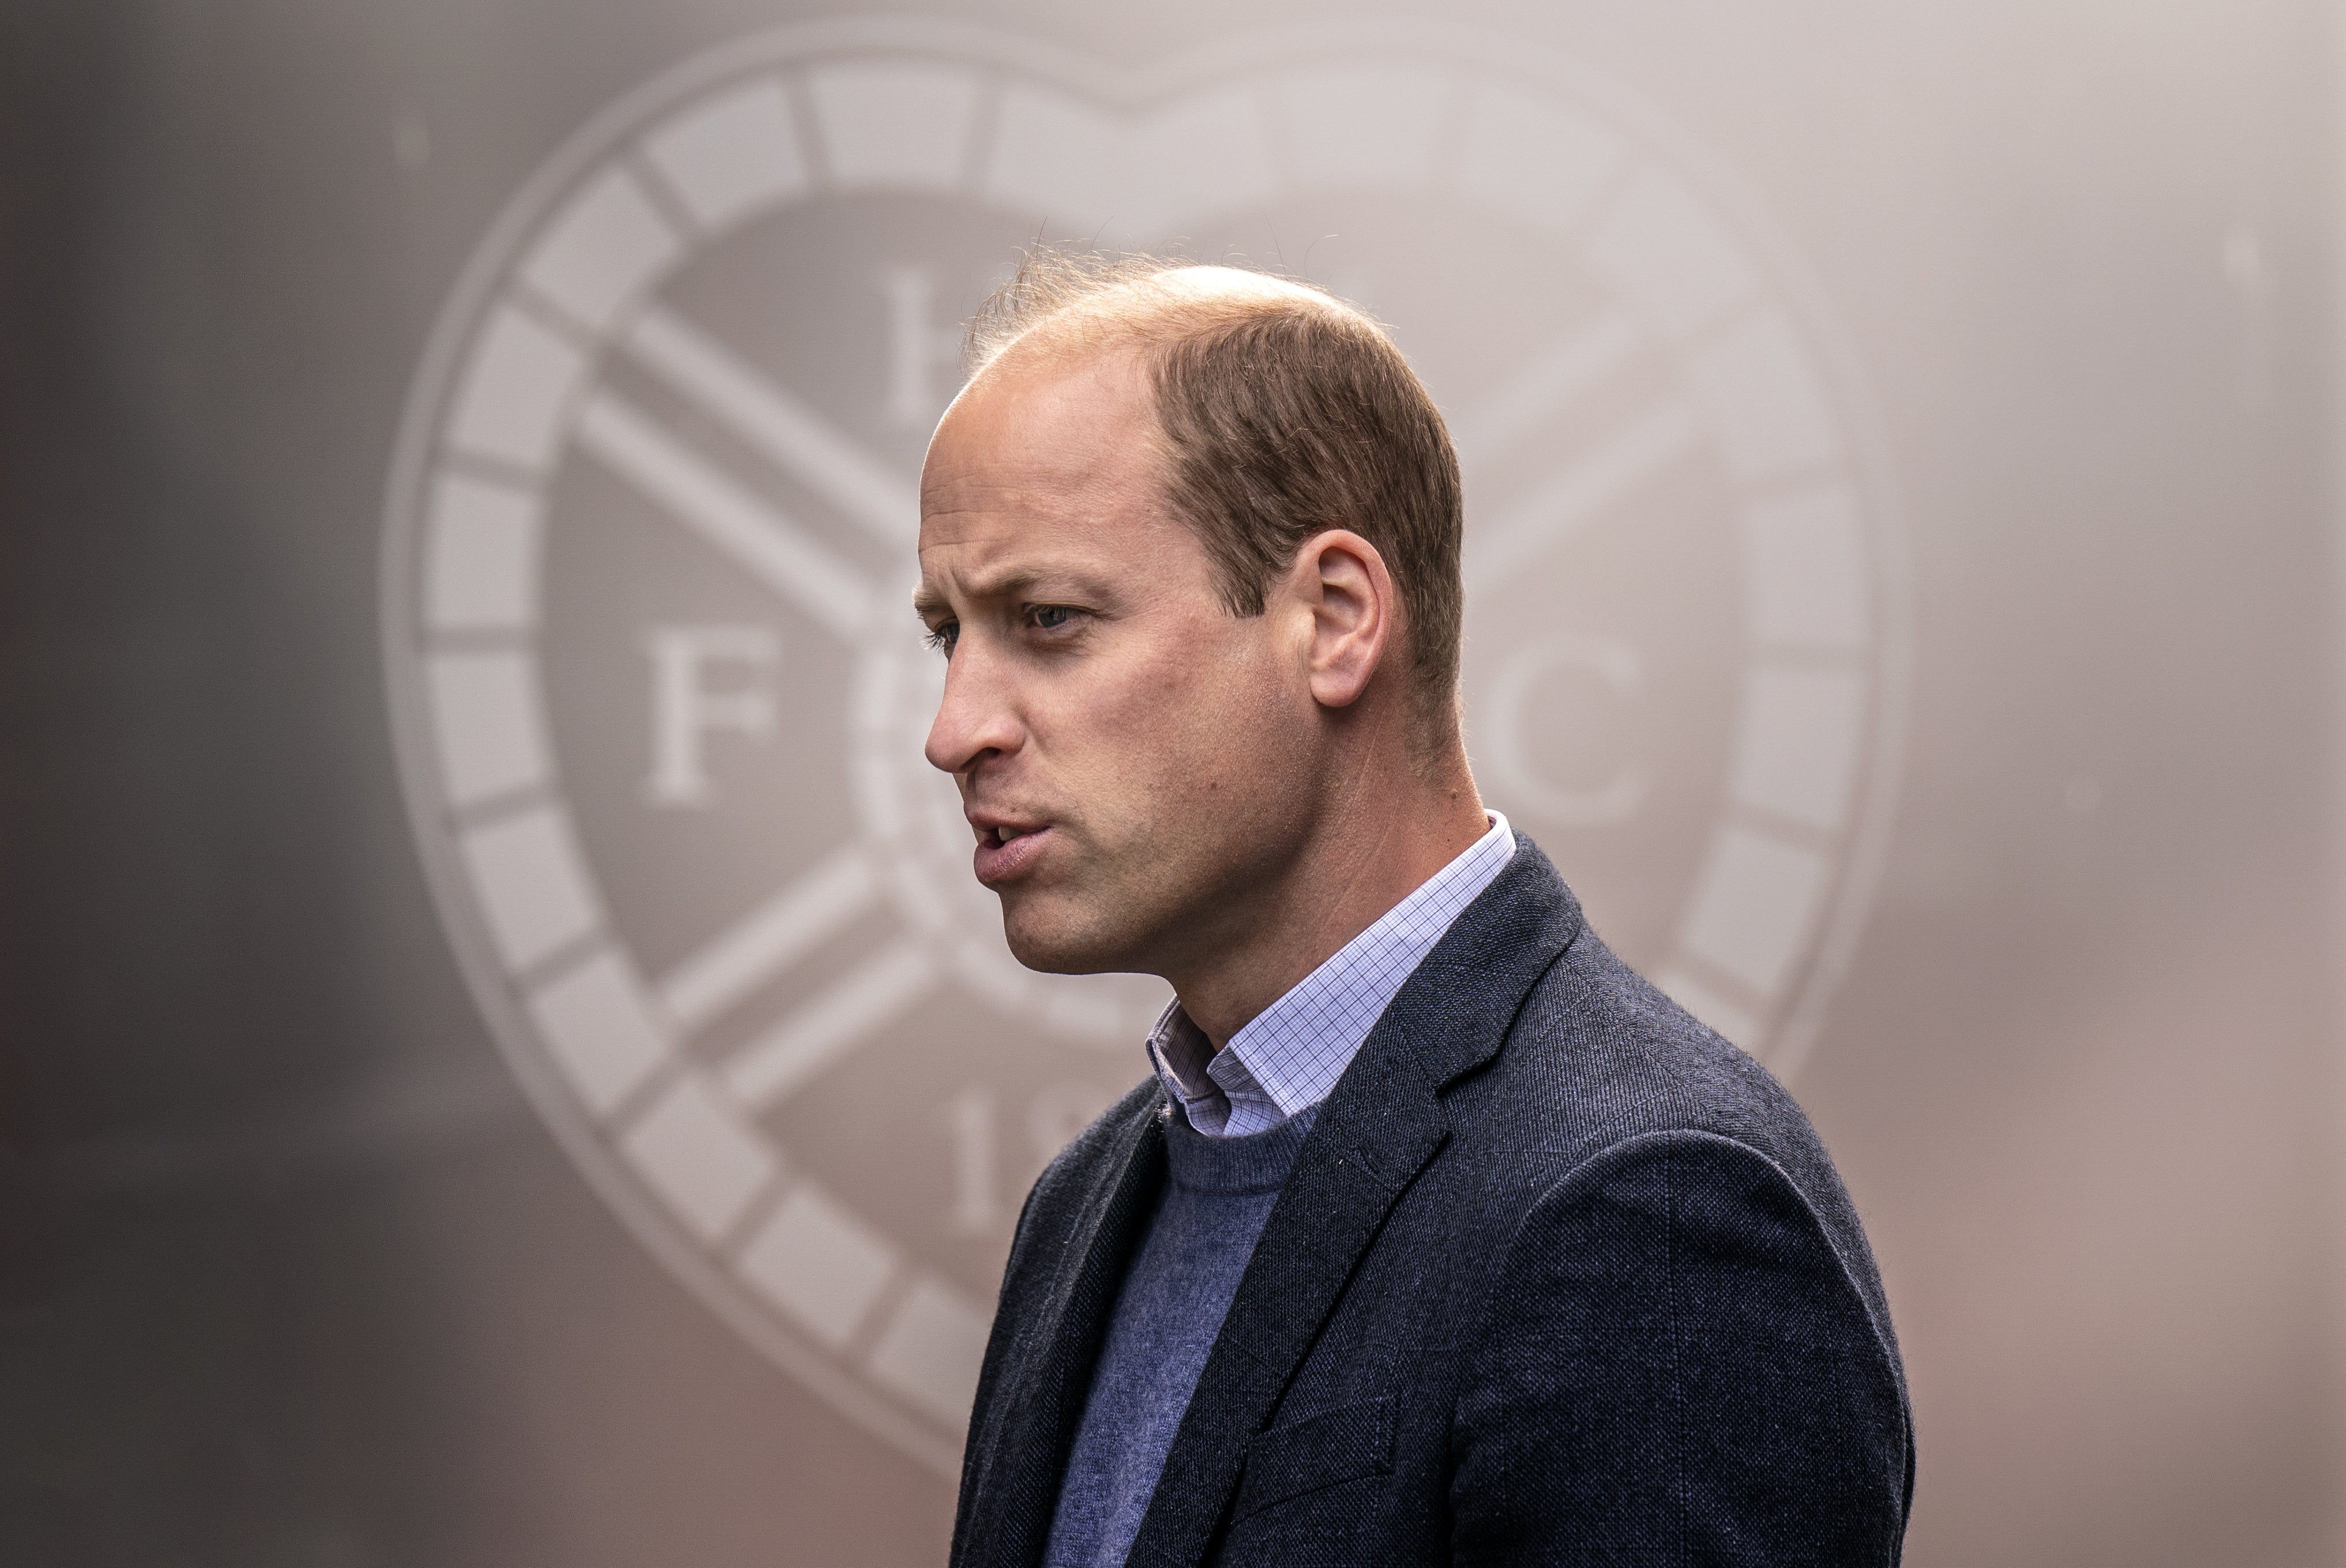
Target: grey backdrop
point(290, 1270)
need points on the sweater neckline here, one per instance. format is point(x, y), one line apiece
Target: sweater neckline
point(1249, 1162)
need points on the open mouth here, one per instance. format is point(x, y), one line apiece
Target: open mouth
point(1003, 852)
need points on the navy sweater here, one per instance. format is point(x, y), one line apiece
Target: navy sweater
point(1217, 1195)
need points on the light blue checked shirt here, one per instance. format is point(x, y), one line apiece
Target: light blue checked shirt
point(1291, 1055)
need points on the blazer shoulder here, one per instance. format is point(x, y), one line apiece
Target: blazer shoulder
point(1595, 1037)
point(1599, 1058)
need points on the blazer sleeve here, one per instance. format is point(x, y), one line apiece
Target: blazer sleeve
point(1678, 1367)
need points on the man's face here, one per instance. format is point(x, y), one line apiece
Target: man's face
point(1131, 756)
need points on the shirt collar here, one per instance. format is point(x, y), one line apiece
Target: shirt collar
point(1291, 1055)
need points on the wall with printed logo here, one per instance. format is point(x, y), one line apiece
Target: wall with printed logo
point(504, 1060)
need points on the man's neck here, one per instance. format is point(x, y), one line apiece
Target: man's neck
point(1367, 856)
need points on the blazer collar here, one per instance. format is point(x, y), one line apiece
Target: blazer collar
point(1376, 1131)
point(1460, 1003)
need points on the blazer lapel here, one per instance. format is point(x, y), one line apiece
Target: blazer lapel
point(1378, 1129)
point(1012, 1482)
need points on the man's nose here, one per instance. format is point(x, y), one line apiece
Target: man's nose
point(976, 717)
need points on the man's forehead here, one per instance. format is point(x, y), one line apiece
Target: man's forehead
point(1040, 422)
point(983, 550)
point(1037, 452)
point(991, 485)
point(978, 515)
point(980, 541)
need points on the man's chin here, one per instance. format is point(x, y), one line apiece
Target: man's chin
point(1063, 947)
point(1060, 958)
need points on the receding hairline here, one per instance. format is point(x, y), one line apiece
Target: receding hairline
point(1079, 313)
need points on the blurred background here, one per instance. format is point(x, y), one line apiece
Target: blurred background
point(500, 1058)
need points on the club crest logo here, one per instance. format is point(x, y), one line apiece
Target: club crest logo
point(659, 697)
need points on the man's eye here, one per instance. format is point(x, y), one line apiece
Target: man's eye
point(943, 635)
point(1051, 618)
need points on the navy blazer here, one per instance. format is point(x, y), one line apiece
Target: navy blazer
point(1559, 1277)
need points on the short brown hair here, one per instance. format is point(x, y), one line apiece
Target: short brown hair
point(1285, 413)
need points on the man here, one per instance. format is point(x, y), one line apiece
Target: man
point(1436, 1233)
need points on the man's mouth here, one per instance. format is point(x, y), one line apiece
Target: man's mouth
point(1004, 852)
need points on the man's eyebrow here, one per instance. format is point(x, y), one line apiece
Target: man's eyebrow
point(1009, 583)
point(928, 601)
point(1005, 584)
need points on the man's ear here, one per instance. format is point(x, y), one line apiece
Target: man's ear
point(1341, 580)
